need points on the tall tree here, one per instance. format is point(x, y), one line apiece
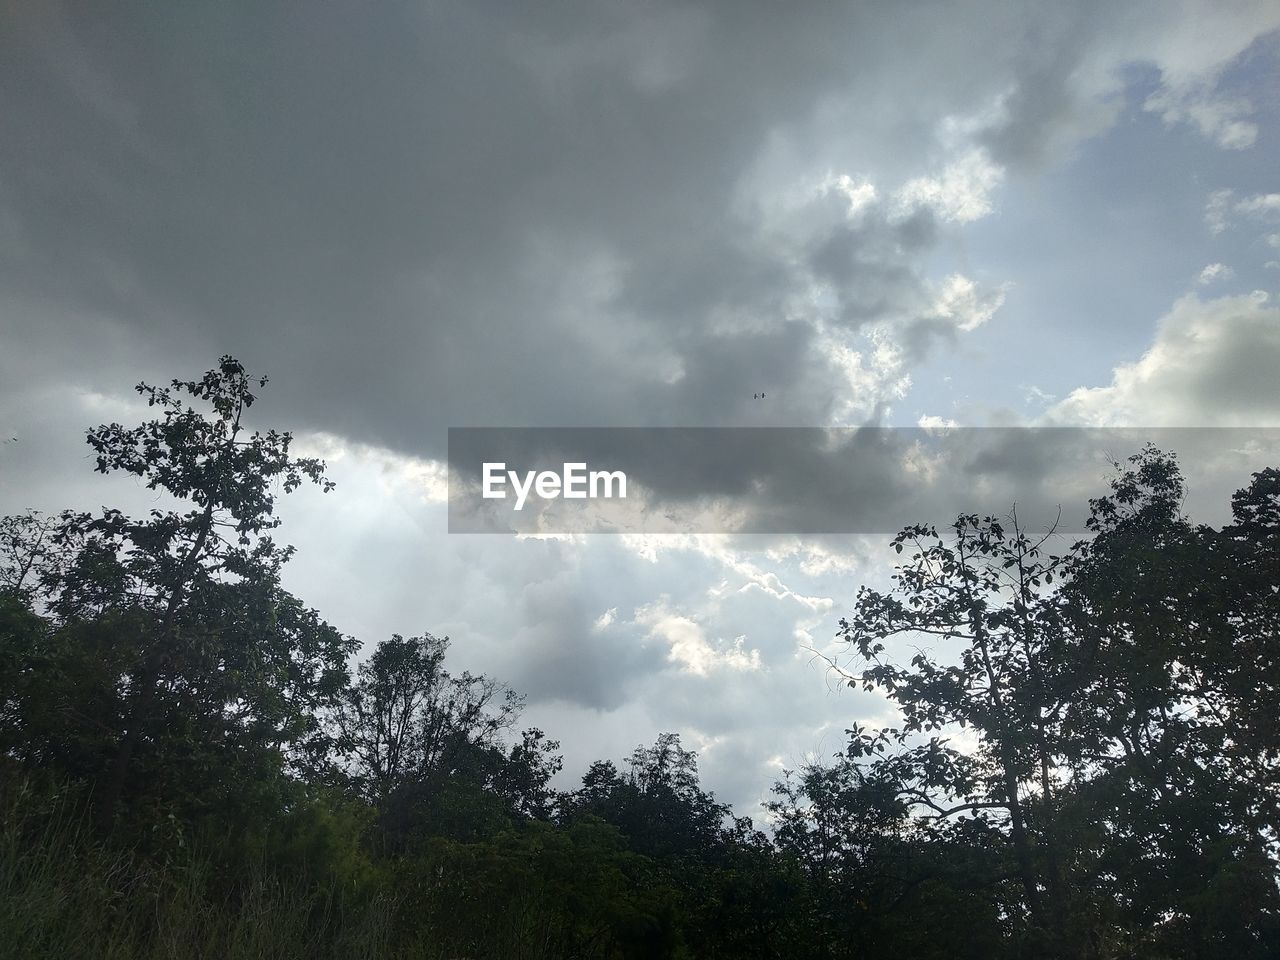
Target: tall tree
point(1115, 696)
point(1173, 662)
point(406, 719)
point(976, 597)
point(212, 662)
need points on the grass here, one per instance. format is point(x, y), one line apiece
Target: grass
point(62, 895)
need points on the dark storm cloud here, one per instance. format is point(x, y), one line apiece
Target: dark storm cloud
point(451, 213)
point(560, 653)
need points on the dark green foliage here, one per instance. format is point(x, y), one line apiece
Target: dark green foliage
point(1126, 738)
point(171, 670)
point(1088, 763)
point(657, 804)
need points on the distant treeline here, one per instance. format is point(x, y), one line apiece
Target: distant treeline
point(192, 765)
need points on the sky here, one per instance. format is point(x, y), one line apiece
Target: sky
point(428, 215)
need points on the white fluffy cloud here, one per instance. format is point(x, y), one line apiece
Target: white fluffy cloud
point(689, 645)
point(1224, 209)
point(1214, 272)
point(963, 303)
point(1213, 363)
point(960, 193)
point(1220, 119)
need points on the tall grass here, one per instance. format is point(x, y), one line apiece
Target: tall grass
point(64, 895)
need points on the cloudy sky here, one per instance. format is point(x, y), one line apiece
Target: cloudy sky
point(429, 215)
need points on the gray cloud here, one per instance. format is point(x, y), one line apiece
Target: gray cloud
point(443, 214)
point(422, 216)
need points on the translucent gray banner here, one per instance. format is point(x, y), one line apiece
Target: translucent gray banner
point(812, 481)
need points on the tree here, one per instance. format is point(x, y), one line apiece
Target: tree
point(524, 775)
point(658, 803)
point(211, 663)
point(879, 879)
point(1172, 660)
point(406, 718)
point(27, 548)
point(977, 594)
point(1115, 694)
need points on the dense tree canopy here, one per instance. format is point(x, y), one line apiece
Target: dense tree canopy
point(1086, 763)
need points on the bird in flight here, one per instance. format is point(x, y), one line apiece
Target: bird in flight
point(757, 396)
